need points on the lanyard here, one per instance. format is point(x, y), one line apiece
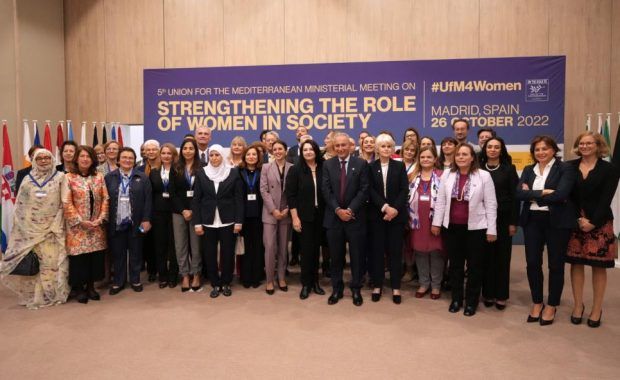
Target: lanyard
point(252, 183)
point(425, 186)
point(165, 178)
point(189, 179)
point(125, 187)
point(410, 166)
point(44, 183)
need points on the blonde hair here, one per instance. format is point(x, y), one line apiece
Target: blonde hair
point(602, 149)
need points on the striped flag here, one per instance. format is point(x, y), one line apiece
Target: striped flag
point(26, 143)
point(95, 134)
point(47, 137)
point(120, 136)
point(60, 139)
point(70, 131)
point(37, 140)
point(8, 189)
point(83, 134)
point(605, 132)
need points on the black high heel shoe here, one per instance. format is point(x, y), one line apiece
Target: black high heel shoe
point(531, 319)
point(375, 297)
point(547, 322)
point(595, 324)
point(577, 320)
point(397, 298)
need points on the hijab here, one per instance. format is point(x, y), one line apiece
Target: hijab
point(221, 172)
point(38, 172)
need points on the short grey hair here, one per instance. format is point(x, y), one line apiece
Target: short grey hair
point(384, 138)
point(155, 143)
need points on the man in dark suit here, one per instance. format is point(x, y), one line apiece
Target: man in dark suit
point(345, 189)
point(292, 155)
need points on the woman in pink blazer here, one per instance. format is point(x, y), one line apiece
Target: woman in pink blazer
point(276, 217)
point(466, 208)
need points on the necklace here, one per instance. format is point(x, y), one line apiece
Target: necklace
point(486, 165)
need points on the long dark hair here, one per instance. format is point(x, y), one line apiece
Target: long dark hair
point(62, 149)
point(504, 157)
point(442, 156)
point(92, 170)
point(180, 166)
point(317, 152)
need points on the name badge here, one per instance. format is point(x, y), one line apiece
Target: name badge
point(251, 197)
point(425, 198)
point(190, 193)
point(124, 198)
point(165, 194)
point(40, 194)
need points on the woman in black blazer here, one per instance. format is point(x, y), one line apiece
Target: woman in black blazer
point(217, 215)
point(387, 215)
point(307, 207)
point(547, 217)
point(161, 182)
point(495, 159)
point(593, 243)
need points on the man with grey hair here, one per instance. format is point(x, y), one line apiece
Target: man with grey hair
point(270, 138)
point(203, 138)
point(345, 189)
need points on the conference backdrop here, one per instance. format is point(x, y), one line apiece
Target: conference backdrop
point(518, 97)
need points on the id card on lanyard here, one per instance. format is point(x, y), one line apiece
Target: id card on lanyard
point(189, 179)
point(165, 179)
point(251, 183)
point(125, 184)
point(40, 193)
point(425, 197)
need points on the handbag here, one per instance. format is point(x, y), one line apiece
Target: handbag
point(239, 246)
point(29, 266)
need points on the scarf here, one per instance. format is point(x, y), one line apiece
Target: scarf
point(217, 173)
point(414, 198)
point(466, 189)
point(40, 173)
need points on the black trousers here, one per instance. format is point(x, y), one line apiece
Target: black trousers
point(537, 232)
point(226, 238)
point(252, 267)
point(295, 241)
point(163, 241)
point(148, 253)
point(122, 245)
point(311, 238)
point(496, 280)
point(465, 246)
point(386, 238)
point(355, 234)
point(86, 268)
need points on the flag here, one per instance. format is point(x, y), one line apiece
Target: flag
point(95, 137)
point(47, 137)
point(8, 188)
point(120, 136)
point(70, 131)
point(104, 138)
point(60, 139)
point(615, 157)
point(26, 143)
point(605, 132)
point(113, 132)
point(83, 134)
point(37, 140)
point(588, 123)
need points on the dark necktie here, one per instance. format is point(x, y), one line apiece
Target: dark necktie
point(203, 157)
point(343, 181)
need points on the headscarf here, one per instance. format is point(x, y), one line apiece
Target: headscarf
point(221, 172)
point(39, 173)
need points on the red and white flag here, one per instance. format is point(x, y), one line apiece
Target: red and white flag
point(47, 136)
point(60, 139)
point(8, 189)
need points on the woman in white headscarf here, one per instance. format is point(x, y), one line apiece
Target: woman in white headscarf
point(217, 215)
point(38, 227)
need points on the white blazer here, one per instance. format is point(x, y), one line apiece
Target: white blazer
point(482, 202)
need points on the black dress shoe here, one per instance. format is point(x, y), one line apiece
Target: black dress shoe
point(547, 322)
point(137, 287)
point(163, 285)
point(577, 320)
point(397, 299)
point(93, 295)
point(531, 319)
point(183, 290)
point(500, 306)
point(82, 297)
point(469, 311)
point(357, 298)
point(455, 306)
point(305, 292)
point(376, 297)
point(215, 292)
point(172, 284)
point(335, 297)
point(317, 289)
point(255, 284)
point(115, 290)
point(226, 291)
point(595, 324)
point(246, 285)
point(488, 303)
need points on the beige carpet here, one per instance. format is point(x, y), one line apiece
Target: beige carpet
point(163, 334)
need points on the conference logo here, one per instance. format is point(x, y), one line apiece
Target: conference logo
point(536, 90)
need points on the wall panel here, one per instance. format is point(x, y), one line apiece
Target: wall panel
point(509, 28)
point(194, 33)
point(615, 69)
point(253, 32)
point(134, 40)
point(8, 80)
point(315, 31)
point(580, 30)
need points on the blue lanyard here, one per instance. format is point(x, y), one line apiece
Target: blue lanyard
point(44, 183)
point(426, 185)
point(189, 179)
point(125, 187)
point(247, 180)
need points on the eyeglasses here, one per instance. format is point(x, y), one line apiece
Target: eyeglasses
point(588, 143)
point(43, 158)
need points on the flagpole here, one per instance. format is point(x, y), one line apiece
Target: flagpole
point(588, 122)
point(600, 122)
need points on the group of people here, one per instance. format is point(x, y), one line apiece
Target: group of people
point(201, 213)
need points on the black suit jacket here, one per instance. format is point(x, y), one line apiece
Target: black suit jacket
point(160, 203)
point(397, 190)
point(292, 155)
point(178, 192)
point(228, 200)
point(140, 198)
point(356, 191)
point(300, 191)
point(21, 174)
point(561, 209)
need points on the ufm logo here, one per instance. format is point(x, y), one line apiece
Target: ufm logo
point(537, 90)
